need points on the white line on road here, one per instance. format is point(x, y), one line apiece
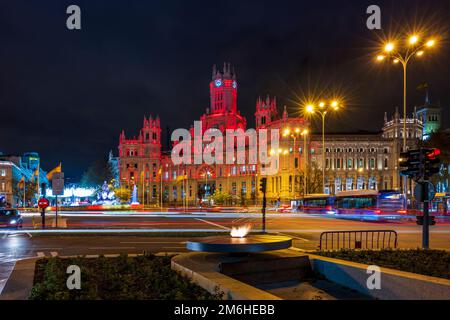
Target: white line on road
point(131, 242)
point(213, 224)
point(294, 237)
point(107, 248)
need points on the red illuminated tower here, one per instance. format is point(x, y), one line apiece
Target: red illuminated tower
point(266, 112)
point(223, 90)
point(151, 137)
point(222, 113)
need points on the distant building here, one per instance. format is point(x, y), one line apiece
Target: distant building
point(431, 116)
point(12, 169)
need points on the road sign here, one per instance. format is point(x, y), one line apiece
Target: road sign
point(58, 183)
point(419, 191)
point(43, 203)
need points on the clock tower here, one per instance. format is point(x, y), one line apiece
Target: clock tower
point(223, 90)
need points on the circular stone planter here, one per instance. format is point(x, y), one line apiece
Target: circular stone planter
point(252, 243)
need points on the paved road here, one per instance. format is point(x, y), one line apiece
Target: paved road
point(124, 233)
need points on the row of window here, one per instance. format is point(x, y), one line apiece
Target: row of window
point(409, 134)
point(351, 163)
point(350, 150)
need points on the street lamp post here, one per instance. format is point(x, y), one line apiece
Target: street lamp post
point(305, 164)
point(403, 55)
point(323, 111)
point(287, 133)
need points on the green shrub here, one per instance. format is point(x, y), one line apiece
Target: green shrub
point(434, 263)
point(145, 277)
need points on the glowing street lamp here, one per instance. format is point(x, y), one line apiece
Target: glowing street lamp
point(415, 47)
point(323, 109)
point(389, 47)
point(413, 39)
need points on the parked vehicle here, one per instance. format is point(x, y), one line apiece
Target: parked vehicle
point(10, 218)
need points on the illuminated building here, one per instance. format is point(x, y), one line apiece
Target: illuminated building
point(353, 161)
point(12, 169)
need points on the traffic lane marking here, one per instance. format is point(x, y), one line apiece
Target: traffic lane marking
point(293, 237)
point(213, 224)
point(150, 242)
point(109, 248)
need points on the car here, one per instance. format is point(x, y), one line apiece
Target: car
point(10, 218)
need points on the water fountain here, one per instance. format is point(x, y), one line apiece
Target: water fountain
point(105, 196)
point(240, 242)
point(134, 195)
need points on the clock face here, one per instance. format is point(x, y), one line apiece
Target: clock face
point(218, 82)
point(234, 84)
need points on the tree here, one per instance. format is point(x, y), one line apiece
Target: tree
point(314, 181)
point(122, 193)
point(31, 190)
point(97, 173)
point(220, 198)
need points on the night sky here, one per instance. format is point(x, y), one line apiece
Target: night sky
point(68, 94)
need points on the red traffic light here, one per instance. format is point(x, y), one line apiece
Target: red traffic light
point(433, 153)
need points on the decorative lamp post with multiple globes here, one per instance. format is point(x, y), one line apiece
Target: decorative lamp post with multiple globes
point(323, 109)
point(401, 52)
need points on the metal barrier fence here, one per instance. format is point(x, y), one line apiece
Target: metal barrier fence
point(358, 239)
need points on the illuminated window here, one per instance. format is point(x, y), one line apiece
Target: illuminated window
point(244, 188)
point(3, 173)
point(372, 163)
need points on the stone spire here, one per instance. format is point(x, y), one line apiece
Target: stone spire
point(285, 113)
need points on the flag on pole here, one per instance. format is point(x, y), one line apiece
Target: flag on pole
point(182, 177)
point(36, 175)
point(21, 183)
point(51, 172)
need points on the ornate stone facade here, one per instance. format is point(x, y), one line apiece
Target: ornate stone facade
point(353, 160)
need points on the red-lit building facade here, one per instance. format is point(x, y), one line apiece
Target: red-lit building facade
point(142, 162)
point(352, 160)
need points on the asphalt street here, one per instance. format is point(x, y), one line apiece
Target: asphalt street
point(113, 233)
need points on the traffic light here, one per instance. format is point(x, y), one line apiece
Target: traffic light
point(263, 185)
point(431, 220)
point(431, 161)
point(410, 162)
point(420, 163)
